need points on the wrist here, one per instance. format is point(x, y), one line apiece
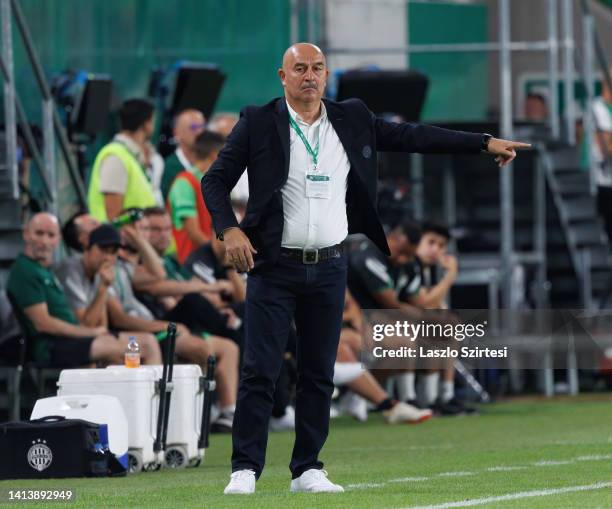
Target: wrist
point(484, 143)
point(222, 234)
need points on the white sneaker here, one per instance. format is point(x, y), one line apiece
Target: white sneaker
point(403, 412)
point(242, 482)
point(334, 412)
point(355, 406)
point(284, 423)
point(314, 481)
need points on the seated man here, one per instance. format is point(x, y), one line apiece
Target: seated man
point(196, 303)
point(86, 280)
point(41, 306)
point(422, 291)
point(139, 265)
point(374, 279)
point(431, 252)
point(76, 230)
point(365, 386)
point(377, 282)
point(192, 224)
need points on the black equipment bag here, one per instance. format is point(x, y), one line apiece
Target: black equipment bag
point(51, 447)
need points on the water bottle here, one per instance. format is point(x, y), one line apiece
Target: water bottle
point(128, 218)
point(132, 353)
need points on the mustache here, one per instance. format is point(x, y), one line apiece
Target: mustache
point(308, 85)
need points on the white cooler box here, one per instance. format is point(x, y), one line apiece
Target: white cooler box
point(135, 389)
point(185, 419)
point(93, 408)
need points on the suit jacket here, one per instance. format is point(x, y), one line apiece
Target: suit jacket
point(260, 141)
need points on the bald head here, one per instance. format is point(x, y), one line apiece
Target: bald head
point(187, 125)
point(301, 50)
point(303, 74)
point(223, 123)
point(41, 236)
point(44, 219)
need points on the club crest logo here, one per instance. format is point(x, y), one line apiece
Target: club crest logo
point(40, 456)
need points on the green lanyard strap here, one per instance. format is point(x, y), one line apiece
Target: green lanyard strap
point(313, 153)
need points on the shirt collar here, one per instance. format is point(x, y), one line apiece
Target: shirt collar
point(183, 158)
point(132, 146)
point(297, 118)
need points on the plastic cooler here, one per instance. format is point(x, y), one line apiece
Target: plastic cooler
point(135, 388)
point(185, 420)
point(93, 408)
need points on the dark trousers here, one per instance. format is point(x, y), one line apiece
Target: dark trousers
point(199, 315)
point(313, 295)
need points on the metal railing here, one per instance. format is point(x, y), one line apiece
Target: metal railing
point(505, 47)
point(592, 52)
point(52, 127)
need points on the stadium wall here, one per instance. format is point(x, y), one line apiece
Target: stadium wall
point(127, 38)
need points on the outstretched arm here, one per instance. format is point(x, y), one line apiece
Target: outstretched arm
point(426, 139)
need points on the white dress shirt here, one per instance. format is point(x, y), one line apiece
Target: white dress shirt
point(315, 222)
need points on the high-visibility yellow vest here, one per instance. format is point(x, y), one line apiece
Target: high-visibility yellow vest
point(139, 192)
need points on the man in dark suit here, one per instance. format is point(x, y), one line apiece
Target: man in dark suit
point(312, 181)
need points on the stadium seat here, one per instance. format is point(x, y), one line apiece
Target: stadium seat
point(12, 356)
point(16, 359)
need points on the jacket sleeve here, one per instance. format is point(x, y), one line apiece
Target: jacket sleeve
point(223, 175)
point(425, 139)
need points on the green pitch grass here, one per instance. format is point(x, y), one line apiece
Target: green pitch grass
point(563, 447)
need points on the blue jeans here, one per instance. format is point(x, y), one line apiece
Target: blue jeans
point(313, 296)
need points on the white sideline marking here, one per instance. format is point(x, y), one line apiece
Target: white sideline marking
point(516, 496)
point(552, 463)
point(595, 457)
point(505, 469)
point(498, 468)
point(455, 474)
point(409, 479)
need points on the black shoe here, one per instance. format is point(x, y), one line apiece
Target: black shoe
point(445, 409)
point(415, 403)
point(466, 410)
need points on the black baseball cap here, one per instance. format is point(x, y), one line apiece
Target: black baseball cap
point(104, 236)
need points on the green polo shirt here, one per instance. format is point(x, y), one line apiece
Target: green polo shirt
point(30, 283)
point(182, 199)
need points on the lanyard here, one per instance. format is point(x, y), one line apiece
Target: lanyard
point(136, 158)
point(313, 153)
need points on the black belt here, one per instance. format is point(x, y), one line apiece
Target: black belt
point(310, 255)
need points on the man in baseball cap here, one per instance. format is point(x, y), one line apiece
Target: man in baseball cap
point(87, 281)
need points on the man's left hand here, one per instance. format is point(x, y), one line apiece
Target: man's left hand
point(505, 150)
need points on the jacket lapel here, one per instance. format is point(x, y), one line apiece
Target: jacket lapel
point(281, 119)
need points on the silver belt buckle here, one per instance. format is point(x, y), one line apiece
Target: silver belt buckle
point(310, 256)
